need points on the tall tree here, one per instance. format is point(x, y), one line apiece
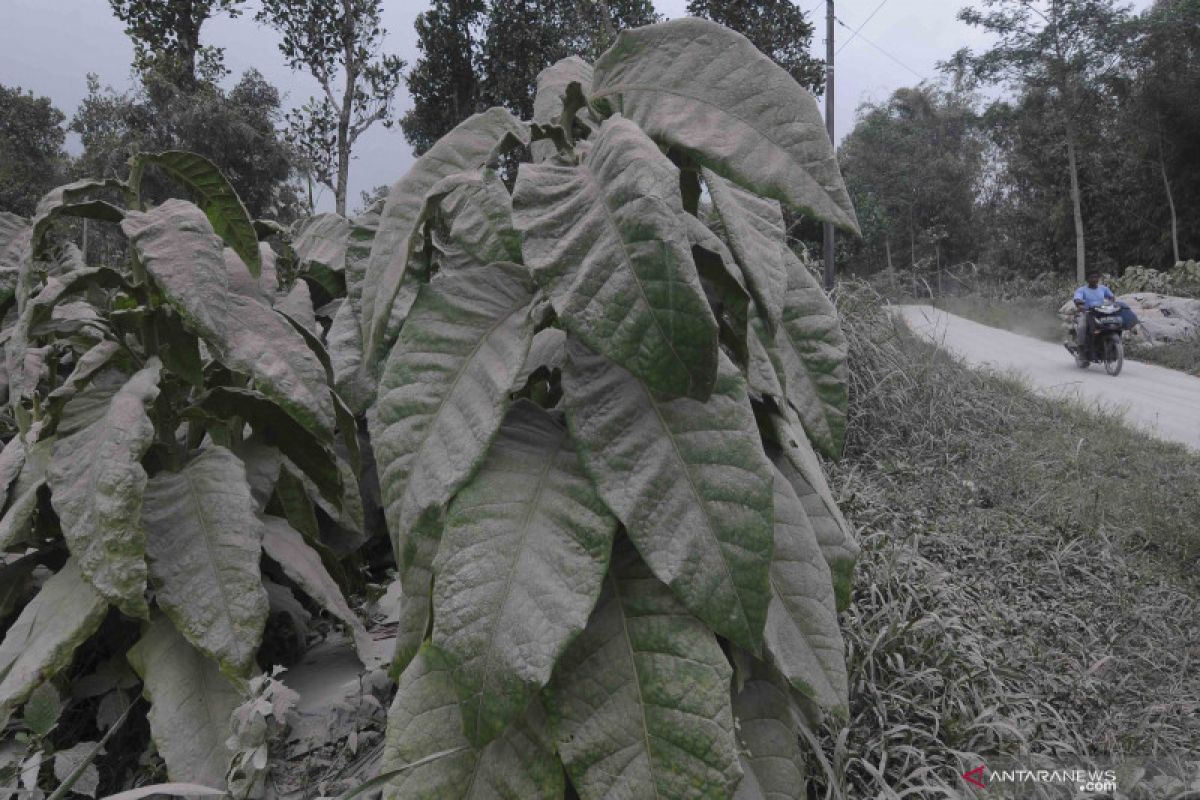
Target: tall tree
point(443, 83)
point(1065, 51)
point(166, 36)
point(339, 43)
point(777, 28)
point(477, 54)
point(32, 160)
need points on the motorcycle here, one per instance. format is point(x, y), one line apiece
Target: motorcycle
point(1105, 344)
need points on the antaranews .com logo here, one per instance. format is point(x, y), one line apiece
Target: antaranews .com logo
point(1010, 781)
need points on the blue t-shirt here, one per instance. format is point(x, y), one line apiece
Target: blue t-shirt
point(1094, 297)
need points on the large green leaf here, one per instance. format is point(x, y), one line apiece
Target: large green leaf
point(215, 196)
point(767, 731)
point(425, 720)
point(522, 558)
point(416, 590)
point(469, 145)
point(688, 480)
point(608, 242)
point(640, 701)
point(802, 636)
point(813, 353)
point(754, 228)
point(700, 87)
point(44, 636)
point(797, 462)
point(444, 388)
point(204, 540)
point(96, 482)
point(303, 566)
point(191, 704)
point(177, 246)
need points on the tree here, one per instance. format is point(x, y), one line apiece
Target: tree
point(236, 129)
point(339, 43)
point(166, 36)
point(32, 160)
point(1066, 53)
point(915, 163)
point(585, 567)
point(776, 27)
point(476, 55)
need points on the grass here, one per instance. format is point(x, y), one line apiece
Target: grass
point(1027, 586)
point(1029, 319)
point(1182, 355)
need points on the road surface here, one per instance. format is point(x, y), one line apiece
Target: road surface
point(1163, 402)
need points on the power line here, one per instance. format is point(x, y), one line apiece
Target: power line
point(886, 53)
point(860, 27)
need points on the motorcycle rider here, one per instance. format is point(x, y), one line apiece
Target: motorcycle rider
point(1086, 298)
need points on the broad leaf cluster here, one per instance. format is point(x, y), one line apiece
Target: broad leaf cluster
point(597, 407)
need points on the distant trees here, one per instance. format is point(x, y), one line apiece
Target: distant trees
point(777, 28)
point(32, 160)
point(166, 37)
point(476, 54)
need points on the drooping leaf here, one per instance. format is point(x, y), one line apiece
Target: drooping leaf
point(320, 242)
point(277, 428)
point(606, 240)
point(297, 306)
point(18, 517)
point(697, 86)
point(416, 589)
point(44, 636)
point(302, 564)
point(191, 703)
point(767, 731)
point(425, 719)
point(764, 369)
point(548, 351)
point(797, 462)
point(12, 459)
point(475, 212)
point(640, 701)
point(444, 388)
point(813, 352)
point(16, 582)
point(96, 482)
point(353, 381)
point(77, 199)
point(204, 540)
point(519, 568)
point(548, 102)
point(466, 147)
point(802, 637)
point(94, 359)
point(688, 480)
point(754, 228)
point(214, 195)
point(177, 246)
point(724, 286)
point(262, 462)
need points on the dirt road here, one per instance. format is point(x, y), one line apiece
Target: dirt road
point(1163, 402)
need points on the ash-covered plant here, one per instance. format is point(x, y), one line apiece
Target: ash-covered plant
point(178, 464)
point(596, 423)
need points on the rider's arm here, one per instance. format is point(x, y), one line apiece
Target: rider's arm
point(1109, 293)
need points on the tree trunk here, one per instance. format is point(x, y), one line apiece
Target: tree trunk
point(887, 246)
point(1162, 165)
point(344, 113)
point(1076, 207)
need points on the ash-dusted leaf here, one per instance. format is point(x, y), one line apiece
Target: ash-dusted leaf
point(754, 228)
point(87, 365)
point(767, 731)
point(687, 479)
point(177, 246)
point(813, 353)
point(15, 582)
point(77, 199)
point(519, 568)
point(474, 211)
point(96, 482)
point(262, 462)
point(802, 636)
point(44, 636)
point(606, 239)
point(191, 703)
point(466, 147)
point(549, 102)
point(723, 285)
point(214, 195)
point(444, 388)
point(797, 462)
point(425, 720)
point(320, 242)
point(764, 369)
point(276, 427)
point(640, 701)
point(297, 306)
point(700, 87)
point(344, 342)
point(205, 541)
point(548, 352)
point(302, 564)
point(12, 459)
point(416, 588)
point(17, 521)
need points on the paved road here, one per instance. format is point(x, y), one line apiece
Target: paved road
point(1164, 402)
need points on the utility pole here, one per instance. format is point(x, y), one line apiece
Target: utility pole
point(830, 269)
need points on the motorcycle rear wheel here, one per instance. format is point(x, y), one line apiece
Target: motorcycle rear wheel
point(1114, 355)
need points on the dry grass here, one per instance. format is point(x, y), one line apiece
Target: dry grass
point(1028, 580)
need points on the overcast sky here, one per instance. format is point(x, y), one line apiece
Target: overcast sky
point(48, 47)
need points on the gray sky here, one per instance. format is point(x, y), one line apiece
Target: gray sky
point(48, 46)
